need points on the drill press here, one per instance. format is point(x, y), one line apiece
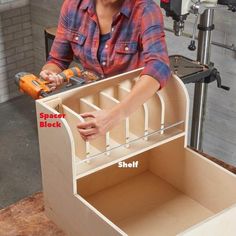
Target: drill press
point(179, 11)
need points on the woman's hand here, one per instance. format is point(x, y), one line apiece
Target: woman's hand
point(97, 124)
point(54, 79)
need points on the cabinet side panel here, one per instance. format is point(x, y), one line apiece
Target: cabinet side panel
point(210, 184)
point(196, 176)
point(68, 212)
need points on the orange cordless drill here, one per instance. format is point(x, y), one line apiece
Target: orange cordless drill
point(36, 87)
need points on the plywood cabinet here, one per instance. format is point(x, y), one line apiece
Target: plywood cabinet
point(140, 178)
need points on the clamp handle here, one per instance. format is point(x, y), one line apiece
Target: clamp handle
point(216, 74)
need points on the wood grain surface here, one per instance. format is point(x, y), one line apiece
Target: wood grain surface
point(27, 218)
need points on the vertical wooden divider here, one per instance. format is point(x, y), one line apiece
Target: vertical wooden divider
point(128, 84)
point(172, 97)
point(163, 112)
point(120, 133)
point(156, 110)
point(94, 100)
point(139, 119)
point(73, 119)
point(100, 144)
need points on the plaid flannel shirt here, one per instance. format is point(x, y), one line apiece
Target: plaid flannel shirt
point(137, 40)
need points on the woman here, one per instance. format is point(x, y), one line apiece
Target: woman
point(110, 37)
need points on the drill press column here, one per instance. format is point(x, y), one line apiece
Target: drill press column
point(200, 93)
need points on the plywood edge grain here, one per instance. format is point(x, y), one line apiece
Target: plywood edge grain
point(187, 107)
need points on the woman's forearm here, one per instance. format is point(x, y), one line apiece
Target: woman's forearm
point(144, 88)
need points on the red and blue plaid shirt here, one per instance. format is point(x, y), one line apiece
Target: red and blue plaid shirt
point(137, 40)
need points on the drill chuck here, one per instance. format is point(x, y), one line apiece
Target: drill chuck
point(18, 77)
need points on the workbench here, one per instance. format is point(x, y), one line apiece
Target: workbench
point(27, 217)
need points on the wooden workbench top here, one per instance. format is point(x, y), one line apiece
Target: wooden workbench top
point(27, 218)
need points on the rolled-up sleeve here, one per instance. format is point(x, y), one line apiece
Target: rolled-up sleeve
point(154, 45)
point(61, 53)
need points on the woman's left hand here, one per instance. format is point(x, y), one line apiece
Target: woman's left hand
point(96, 124)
